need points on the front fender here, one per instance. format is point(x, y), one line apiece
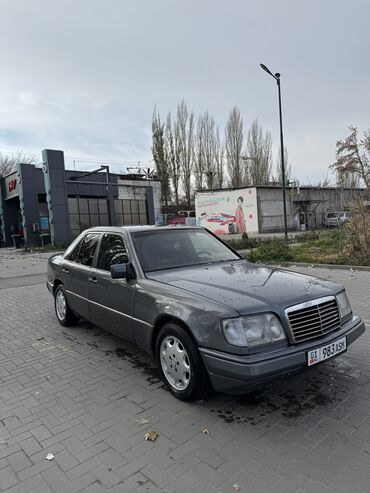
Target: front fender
point(155, 301)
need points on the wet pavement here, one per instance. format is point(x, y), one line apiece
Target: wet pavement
point(89, 398)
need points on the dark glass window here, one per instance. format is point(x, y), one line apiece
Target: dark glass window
point(104, 220)
point(135, 219)
point(103, 208)
point(72, 205)
point(85, 221)
point(84, 205)
point(127, 219)
point(118, 206)
point(112, 251)
point(142, 207)
point(88, 247)
point(170, 249)
point(93, 206)
point(126, 206)
point(94, 220)
point(74, 221)
point(73, 256)
point(134, 206)
point(119, 219)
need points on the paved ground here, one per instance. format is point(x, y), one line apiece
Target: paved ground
point(88, 398)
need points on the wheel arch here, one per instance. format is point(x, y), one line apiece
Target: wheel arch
point(57, 282)
point(161, 320)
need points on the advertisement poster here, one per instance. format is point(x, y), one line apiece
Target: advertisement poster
point(228, 212)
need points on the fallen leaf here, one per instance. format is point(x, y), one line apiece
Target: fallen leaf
point(142, 421)
point(205, 431)
point(236, 487)
point(151, 435)
point(50, 456)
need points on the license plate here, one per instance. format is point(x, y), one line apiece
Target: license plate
point(322, 353)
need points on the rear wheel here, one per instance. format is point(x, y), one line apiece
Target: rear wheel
point(180, 364)
point(64, 314)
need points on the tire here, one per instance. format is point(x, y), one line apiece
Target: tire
point(64, 314)
point(180, 364)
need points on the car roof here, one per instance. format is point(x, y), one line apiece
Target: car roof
point(136, 229)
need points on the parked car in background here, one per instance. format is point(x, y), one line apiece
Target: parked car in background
point(336, 219)
point(181, 217)
point(211, 318)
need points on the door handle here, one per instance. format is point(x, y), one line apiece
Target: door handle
point(93, 279)
point(66, 271)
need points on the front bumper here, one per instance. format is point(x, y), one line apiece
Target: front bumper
point(234, 374)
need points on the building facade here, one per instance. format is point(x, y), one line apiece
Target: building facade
point(54, 204)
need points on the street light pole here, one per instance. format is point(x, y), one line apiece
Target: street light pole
point(277, 78)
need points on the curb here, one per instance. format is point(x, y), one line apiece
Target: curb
point(365, 268)
point(329, 266)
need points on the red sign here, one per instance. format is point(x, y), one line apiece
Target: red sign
point(12, 185)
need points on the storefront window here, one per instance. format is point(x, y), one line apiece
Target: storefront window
point(86, 212)
point(130, 212)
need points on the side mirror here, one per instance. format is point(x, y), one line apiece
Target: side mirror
point(118, 271)
point(123, 271)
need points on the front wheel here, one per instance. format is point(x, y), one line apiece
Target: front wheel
point(180, 364)
point(64, 314)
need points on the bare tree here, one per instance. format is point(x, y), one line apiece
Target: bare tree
point(198, 155)
point(353, 156)
point(160, 156)
point(208, 126)
point(288, 168)
point(348, 179)
point(233, 146)
point(258, 160)
point(218, 153)
point(9, 161)
point(172, 157)
point(184, 138)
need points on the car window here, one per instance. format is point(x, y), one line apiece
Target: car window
point(87, 249)
point(112, 251)
point(73, 256)
point(168, 249)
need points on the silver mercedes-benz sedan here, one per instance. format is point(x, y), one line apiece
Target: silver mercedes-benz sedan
point(210, 318)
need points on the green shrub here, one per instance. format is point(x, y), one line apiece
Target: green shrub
point(275, 250)
point(244, 243)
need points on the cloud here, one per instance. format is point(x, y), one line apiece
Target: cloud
point(84, 76)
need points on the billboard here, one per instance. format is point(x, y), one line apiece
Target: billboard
point(228, 211)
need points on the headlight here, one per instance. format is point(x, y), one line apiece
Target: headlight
point(343, 305)
point(253, 330)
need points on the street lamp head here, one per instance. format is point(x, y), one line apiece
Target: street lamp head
point(266, 69)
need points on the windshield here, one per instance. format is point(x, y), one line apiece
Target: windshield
point(168, 249)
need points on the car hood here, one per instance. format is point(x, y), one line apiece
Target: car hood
point(247, 287)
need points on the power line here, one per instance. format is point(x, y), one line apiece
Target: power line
point(106, 161)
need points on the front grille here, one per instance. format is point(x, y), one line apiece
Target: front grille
point(313, 319)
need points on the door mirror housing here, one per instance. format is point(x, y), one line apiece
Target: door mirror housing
point(122, 271)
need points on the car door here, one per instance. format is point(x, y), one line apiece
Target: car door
point(77, 271)
point(111, 300)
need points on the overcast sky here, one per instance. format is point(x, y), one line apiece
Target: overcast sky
point(84, 75)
